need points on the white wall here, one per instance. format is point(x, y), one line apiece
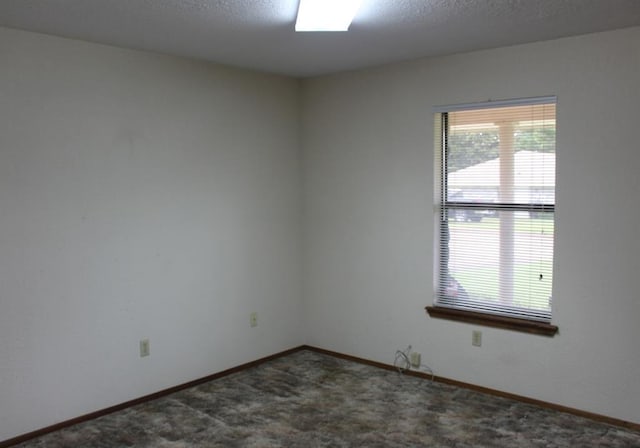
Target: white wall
point(149, 196)
point(369, 224)
point(141, 196)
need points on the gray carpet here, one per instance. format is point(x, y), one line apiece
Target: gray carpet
point(312, 400)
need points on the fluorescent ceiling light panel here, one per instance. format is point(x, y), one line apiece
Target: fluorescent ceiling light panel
point(326, 15)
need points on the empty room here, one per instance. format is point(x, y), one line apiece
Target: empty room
point(225, 224)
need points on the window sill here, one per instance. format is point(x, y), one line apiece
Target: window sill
point(489, 320)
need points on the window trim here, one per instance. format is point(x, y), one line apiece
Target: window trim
point(477, 317)
point(492, 320)
point(496, 103)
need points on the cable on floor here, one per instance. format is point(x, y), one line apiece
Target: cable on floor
point(402, 363)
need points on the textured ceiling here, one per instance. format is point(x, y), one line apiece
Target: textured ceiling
point(259, 34)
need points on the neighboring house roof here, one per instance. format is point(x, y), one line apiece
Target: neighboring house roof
point(532, 169)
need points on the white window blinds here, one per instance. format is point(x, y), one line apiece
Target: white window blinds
point(497, 205)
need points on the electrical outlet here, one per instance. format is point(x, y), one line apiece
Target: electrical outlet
point(253, 319)
point(415, 359)
point(145, 349)
point(476, 338)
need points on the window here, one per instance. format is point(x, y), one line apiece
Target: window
point(496, 213)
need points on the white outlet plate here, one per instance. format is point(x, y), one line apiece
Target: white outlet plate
point(253, 319)
point(145, 348)
point(476, 338)
point(415, 359)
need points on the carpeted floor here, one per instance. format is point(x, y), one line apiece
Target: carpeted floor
point(312, 400)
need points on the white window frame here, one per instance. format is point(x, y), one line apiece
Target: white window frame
point(498, 316)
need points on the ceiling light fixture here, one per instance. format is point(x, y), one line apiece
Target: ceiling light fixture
point(326, 15)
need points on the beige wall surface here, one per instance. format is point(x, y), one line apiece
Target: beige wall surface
point(369, 218)
point(141, 196)
point(145, 196)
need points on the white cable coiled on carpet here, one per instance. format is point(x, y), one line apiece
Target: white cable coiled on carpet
point(402, 362)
